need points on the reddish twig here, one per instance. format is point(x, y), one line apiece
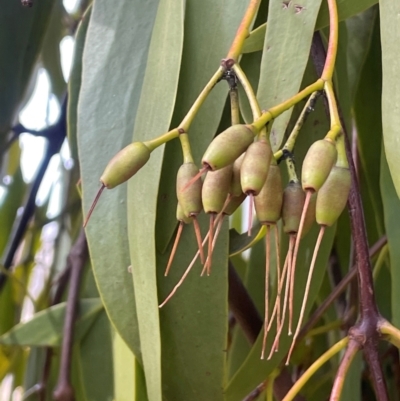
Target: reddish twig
point(366, 329)
point(77, 258)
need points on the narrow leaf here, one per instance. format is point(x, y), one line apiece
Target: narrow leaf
point(115, 55)
point(390, 29)
point(46, 327)
point(286, 51)
point(154, 117)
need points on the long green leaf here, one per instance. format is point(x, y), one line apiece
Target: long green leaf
point(114, 61)
point(391, 205)
point(124, 370)
point(285, 54)
point(390, 29)
point(51, 52)
point(96, 368)
point(194, 322)
point(154, 117)
point(75, 81)
point(45, 328)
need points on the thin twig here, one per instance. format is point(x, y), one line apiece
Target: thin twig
point(78, 257)
point(367, 325)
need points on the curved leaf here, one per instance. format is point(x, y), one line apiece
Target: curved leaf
point(46, 327)
point(75, 81)
point(390, 28)
point(115, 55)
point(153, 118)
point(96, 368)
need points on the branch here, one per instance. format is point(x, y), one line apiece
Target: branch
point(366, 328)
point(56, 137)
point(338, 290)
point(77, 259)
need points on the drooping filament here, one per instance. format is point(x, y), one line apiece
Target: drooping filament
point(196, 177)
point(187, 271)
point(295, 252)
point(174, 248)
point(219, 223)
point(307, 290)
point(251, 205)
point(210, 242)
point(286, 268)
point(266, 300)
point(198, 238)
point(96, 199)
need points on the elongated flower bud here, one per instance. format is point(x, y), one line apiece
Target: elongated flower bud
point(254, 169)
point(215, 189)
point(332, 197)
point(317, 164)
point(126, 163)
point(189, 197)
point(180, 215)
point(293, 202)
point(228, 146)
point(268, 203)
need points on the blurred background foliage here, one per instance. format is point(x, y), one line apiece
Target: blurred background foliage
point(137, 68)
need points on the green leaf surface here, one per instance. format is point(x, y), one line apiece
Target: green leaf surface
point(96, 368)
point(51, 54)
point(46, 327)
point(75, 82)
point(153, 119)
point(391, 205)
point(346, 9)
point(368, 118)
point(210, 27)
point(194, 323)
point(22, 46)
point(114, 61)
point(359, 32)
point(124, 370)
point(285, 54)
point(390, 29)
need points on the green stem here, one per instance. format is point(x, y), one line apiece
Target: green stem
point(243, 31)
point(160, 140)
point(341, 153)
point(324, 329)
point(336, 127)
point(185, 144)
point(289, 145)
point(314, 367)
point(390, 331)
point(248, 89)
point(291, 169)
point(275, 111)
point(235, 112)
point(327, 73)
point(187, 121)
point(351, 351)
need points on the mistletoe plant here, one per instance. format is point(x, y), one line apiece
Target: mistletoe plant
point(273, 133)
